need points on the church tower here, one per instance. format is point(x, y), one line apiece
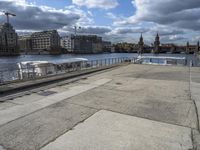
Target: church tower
point(188, 48)
point(157, 44)
point(196, 51)
point(141, 45)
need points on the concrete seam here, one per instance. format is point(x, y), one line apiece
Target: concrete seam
point(192, 138)
point(64, 132)
point(131, 115)
point(191, 97)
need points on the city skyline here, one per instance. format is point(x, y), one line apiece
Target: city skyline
point(177, 21)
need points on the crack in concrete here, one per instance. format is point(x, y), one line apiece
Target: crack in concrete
point(190, 95)
point(64, 132)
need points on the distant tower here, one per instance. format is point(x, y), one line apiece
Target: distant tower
point(157, 44)
point(196, 51)
point(198, 46)
point(141, 45)
point(188, 48)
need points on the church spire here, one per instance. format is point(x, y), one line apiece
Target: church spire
point(197, 46)
point(157, 44)
point(141, 45)
point(141, 38)
point(157, 34)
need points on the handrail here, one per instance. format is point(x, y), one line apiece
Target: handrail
point(13, 75)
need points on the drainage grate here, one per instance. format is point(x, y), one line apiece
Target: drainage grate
point(46, 93)
point(118, 83)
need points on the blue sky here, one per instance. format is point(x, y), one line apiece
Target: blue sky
point(124, 8)
point(177, 21)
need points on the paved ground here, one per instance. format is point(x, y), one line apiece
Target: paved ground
point(123, 132)
point(131, 107)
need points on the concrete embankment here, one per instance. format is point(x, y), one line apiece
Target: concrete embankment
point(127, 108)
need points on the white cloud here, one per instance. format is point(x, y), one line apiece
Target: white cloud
point(127, 30)
point(175, 20)
point(16, 1)
point(111, 16)
point(104, 4)
point(32, 17)
point(177, 13)
point(196, 38)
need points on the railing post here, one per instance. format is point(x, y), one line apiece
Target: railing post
point(18, 74)
point(1, 80)
point(45, 70)
point(92, 64)
point(33, 72)
point(28, 73)
point(97, 64)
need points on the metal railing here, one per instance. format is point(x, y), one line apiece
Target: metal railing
point(25, 74)
point(31, 73)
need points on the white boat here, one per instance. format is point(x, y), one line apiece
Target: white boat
point(30, 69)
point(161, 60)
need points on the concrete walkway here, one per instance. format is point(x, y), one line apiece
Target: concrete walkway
point(123, 132)
point(195, 89)
point(129, 108)
point(13, 113)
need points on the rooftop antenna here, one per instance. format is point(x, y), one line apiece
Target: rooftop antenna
point(7, 14)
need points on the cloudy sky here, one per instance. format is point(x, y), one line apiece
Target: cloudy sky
point(176, 21)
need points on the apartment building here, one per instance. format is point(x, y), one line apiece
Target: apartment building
point(67, 42)
point(8, 40)
point(47, 42)
point(87, 44)
point(25, 44)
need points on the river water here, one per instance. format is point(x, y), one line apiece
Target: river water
point(9, 63)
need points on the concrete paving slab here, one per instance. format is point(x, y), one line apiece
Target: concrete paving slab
point(22, 110)
point(196, 139)
point(195, 71)
point(112, 131)
point(150, 88)
point(172, 73)
point(161, 94)
point(37, 129)
point(57, 89)
point(6, 105)
point(195, 91)
point(143, 98)
point(27, 99)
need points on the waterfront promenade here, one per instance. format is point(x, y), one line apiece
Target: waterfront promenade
point(128, 107)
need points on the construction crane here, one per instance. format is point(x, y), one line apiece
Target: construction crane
point(75, 29)
point(7, 15)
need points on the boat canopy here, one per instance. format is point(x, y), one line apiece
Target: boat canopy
point(60, 62)
point(70, 60)
point(161, 57)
